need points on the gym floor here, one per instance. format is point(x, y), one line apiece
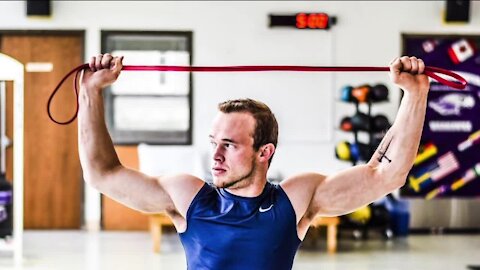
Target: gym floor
point(73, 250)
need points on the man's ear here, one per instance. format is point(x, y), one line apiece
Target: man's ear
point(266, 152)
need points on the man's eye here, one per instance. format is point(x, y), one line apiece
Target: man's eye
point(229, 145)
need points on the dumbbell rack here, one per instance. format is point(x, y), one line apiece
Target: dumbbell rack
point(370, 130)
point(373, 129)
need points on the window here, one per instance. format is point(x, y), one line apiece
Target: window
point(150, 106)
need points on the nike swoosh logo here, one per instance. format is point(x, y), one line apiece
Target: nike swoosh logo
point(265, 209)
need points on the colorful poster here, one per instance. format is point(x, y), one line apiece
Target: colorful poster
point(448, 161)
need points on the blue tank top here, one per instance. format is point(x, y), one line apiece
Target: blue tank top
point(225, 231)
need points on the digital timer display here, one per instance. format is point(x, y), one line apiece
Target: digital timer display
point(312, 21)
point(303, 21)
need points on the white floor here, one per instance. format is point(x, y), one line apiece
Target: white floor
point(73, 250)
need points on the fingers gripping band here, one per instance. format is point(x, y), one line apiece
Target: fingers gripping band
point(432, 72)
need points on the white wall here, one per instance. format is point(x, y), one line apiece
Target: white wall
point(236, 33)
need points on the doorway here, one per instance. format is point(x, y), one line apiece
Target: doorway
point(53, 193)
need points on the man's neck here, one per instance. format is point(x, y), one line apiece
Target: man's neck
point(254, 189)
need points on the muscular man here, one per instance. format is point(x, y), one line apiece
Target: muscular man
point(242, 221)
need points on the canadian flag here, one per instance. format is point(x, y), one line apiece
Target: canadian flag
point(461, 51)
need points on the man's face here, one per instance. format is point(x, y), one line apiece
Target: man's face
point(233, 157)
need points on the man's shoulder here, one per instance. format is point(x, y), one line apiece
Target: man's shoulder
point(303, 181)
point(300, 190)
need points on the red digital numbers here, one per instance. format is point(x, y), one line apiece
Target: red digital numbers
point(312, 21)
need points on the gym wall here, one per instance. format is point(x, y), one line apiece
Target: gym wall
point(367, 33)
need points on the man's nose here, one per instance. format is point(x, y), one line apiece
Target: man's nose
point(218, 154)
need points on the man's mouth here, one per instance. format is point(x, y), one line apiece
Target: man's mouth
point(218, 171)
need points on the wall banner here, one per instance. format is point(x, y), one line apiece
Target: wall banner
point(448, 161)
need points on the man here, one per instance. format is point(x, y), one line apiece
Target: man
point(242, 221)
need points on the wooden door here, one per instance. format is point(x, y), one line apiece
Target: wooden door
point(116, 216)
point(52, 174)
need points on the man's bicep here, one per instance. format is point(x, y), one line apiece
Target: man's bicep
point(348, 190)
point(140, 191)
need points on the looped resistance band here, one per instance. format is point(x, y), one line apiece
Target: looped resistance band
point(429, 71)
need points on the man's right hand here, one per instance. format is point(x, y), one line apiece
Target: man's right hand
point(104, 70)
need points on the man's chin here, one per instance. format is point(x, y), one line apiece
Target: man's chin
point(223, 182)
point(219, 183)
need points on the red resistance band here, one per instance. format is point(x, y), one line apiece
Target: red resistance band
point(429, 71)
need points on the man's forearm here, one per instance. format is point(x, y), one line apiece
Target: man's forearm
point(97, 154)
point(396, 153)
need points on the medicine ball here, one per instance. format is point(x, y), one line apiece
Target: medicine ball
point(361, 215)
point(346, 124)
point(342, 151)
point(380, 123)
point(361, 121)
point(361, 93)
point(379, 92)
point(347, 94)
